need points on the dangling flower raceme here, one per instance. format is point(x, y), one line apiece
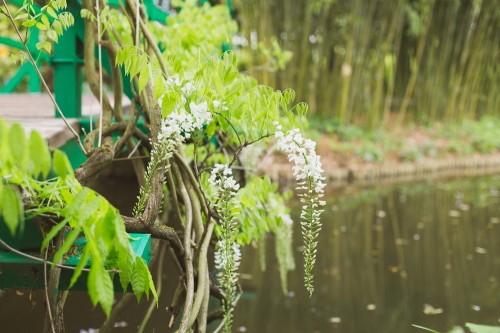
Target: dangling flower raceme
point(175, 128)
point(183, 123)
point(310, 184)
point(223, 182)
point(227, 255)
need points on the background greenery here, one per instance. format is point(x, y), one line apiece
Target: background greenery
point(370, 62)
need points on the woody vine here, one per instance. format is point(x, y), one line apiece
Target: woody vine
point(196, 197)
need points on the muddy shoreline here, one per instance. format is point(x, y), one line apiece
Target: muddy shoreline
point(373, 173)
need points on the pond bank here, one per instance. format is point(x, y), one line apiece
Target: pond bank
point(277, 168)
point(395, 153)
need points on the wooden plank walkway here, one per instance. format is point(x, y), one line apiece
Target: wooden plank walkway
point(35, 111)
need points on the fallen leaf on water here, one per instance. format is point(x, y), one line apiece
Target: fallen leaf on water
point(481, 250)
point(430, 310)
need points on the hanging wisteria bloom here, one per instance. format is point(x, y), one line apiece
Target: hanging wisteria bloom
point(310, 183)
point(227, 255)
point(175, 129)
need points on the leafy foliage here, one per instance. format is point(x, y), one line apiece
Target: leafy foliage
point(78, 210)
point(475, 328)
point(51, 19)
point(264, 210)
point(243, 112)
point(192, 94)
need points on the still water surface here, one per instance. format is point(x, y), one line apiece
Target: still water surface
point(389, 257)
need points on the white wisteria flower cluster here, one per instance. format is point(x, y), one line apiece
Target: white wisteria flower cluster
point(175, 129)
point(222, 181)
point(228, 254)
point(181, 123)
point(223, 260)
point(307, 171)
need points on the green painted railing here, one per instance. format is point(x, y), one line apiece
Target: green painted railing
point(18, 271)
point(66, 59)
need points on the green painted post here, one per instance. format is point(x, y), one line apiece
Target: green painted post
point(67, 64)
point(229, 5)
point(34, 81)
point(155, 13)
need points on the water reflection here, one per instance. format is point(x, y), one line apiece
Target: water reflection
point(426, 253)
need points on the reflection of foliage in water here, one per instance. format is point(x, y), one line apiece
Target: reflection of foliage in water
point(391, 252)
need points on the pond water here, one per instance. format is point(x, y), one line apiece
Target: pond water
point(389, 257)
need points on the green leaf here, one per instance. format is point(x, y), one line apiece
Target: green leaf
point(41, 26)
point(89, 210)
point(211, 128)
point(84, 258)
point(11, 208)
point(475, 328)
point(168, 103)
point(18, 146)
point(139, 278)
point(66, 19)
point(47, 46)
point(52, 233)
point(151, 285)
point(75, 203)
point(29, 23)
point(120, 57)
point(107, 228)
point(56, 25)
point(45, 20)
point(134, 67)
point(61, 3)
point(52, 35)
point(66, 246)
point(218, 84)
point(122, 238)
point(51, 12)
point(302, 109)
point(100, 287)
point(21, 16)
point(61, 164)
point(143, 78)
point(289, 96)
point(39, 155)
point(87, 14)
point(159, 88)
point(125, 265)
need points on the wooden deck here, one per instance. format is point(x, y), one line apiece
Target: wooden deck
point(35, 111)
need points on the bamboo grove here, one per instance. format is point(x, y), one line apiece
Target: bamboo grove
point(368, 62)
